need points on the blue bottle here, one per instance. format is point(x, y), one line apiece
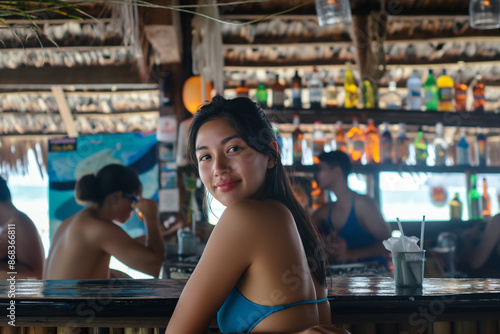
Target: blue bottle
point(463, 151)
point(414, 86)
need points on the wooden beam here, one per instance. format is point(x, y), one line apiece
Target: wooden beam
point(84, 75)
point(65, 112)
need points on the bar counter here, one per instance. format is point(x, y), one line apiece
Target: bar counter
point(149, 303)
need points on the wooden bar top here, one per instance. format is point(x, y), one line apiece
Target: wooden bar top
point(149, 303)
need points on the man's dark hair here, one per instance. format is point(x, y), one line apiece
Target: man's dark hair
point(4, 191)
point(337, 158)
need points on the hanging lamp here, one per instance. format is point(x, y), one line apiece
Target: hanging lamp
point(333, 12)
point(484, 14)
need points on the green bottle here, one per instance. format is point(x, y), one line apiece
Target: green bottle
point(368, 94)
point(420, 144)
point(475, 201)
point(261, 95)
point(431, 93)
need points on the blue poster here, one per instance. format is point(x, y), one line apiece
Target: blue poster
point(71, 158)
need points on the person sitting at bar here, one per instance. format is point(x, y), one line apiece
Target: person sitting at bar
point(19, 240)
point(480, 251)
point(83, 244)
point(352, 227)
point(263, 267)
point(302, 188)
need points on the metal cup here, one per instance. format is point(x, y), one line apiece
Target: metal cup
point(408, 268)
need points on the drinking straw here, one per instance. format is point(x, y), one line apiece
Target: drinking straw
point(402, 234)
point(422, 228)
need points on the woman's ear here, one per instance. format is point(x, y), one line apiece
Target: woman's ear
point(116, 196)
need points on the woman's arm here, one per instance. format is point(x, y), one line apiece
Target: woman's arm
point(227, 255)
point(489, 238)
point(115, 241)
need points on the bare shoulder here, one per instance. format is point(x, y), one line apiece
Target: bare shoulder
point(23, 221)
point(253, 216)
point(494, 224)
point(366, 201)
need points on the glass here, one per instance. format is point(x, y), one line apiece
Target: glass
point(484, 14)
point(333, 12)
point(408, 268)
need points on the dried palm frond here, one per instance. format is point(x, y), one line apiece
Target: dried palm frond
point(39, 9)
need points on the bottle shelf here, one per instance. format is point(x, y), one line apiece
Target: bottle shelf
point(409, 117)
point(400, 168)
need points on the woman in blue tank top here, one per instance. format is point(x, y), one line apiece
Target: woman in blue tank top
point(263, 268)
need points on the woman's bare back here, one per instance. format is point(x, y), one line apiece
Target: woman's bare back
point(72, 254)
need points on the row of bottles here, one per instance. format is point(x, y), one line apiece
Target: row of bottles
point(315, 89)
point(479, 206)
point(437, 93)
point(370, 146)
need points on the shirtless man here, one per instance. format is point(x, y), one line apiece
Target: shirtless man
point(84, 243)
point(353, 227)
point(29, 254)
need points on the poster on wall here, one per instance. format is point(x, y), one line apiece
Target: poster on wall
point(71, 158)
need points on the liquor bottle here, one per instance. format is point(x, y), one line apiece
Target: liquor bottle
point(402, 145)
point(351, 90)
point(440, 145)
point(460, 92)
point(340, 139)
point(278, 94)
point(331, 93)
point(318, 141)
point(261, 95)
point(431, 93)
point(372, 143)
point(478, 92)
point(486, 200)
point(242, 89)
point(474, 200)
point(296, 91)
point(315, 87)
point(414, 86)
point(481, 149)
point(391, 99)
point(368, 94)
point(463, 151)
point(445, 92)
point(297, 137)
point(386, 154)
point(455, 208)
point(356, 144)
point(420, 146)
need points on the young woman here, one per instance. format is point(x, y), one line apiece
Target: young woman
point(83, 244)
point(263, 268)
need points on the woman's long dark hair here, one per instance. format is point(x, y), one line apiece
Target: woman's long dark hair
point(250, 122)
point(110, 178)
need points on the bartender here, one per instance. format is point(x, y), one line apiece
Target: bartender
point(353, 227)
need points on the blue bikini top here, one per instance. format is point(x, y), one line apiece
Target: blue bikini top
point(240, 315)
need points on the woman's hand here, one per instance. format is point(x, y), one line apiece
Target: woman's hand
point(147, 207)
